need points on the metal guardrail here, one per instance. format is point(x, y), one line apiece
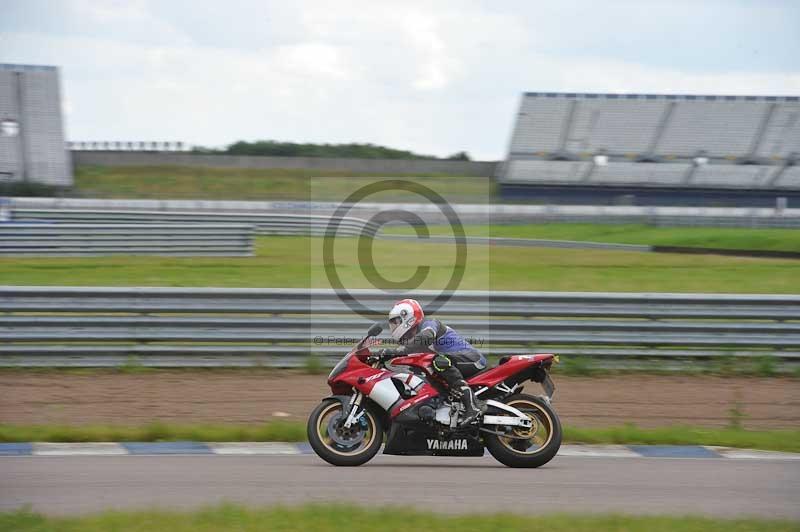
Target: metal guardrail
point(45, 239)
point(58, 326)
point(265, 224)
point(468, 213)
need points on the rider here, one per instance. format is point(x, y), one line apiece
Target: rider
point(456, 357)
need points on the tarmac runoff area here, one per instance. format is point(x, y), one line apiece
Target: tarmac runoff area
point(80, 478)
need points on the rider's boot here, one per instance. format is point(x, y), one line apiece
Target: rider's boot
point(459, 389)
point(471, 409)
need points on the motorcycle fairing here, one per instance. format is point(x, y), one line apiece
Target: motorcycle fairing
point(423, 361)
point(514, 369)
point(388, 389)
point(419, 441)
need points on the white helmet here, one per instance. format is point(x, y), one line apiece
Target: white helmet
point(404, 315)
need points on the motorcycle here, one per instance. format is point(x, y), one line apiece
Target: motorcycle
point(403, 400)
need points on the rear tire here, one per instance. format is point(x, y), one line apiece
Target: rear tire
point(510, 452)
point(327, 442)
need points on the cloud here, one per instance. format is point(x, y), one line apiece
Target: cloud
point(435, 77)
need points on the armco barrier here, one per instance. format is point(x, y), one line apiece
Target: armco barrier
point(62, 326)
point(65, 239)
point(468, 213)
point(265, 224)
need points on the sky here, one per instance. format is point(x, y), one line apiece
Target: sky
point(433, 76)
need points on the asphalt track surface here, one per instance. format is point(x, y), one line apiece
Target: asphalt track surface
point(726, 488)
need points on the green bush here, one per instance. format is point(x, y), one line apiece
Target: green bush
point(313, 365)
point(293, 149)
point(133, 364)
point(726, 365)
point(576, 365)
point(764, 366)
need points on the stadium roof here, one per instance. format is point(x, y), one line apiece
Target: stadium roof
point(675, 97)
point(27, 68)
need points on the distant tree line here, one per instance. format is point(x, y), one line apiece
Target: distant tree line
point(293, 149)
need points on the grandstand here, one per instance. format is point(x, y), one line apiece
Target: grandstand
point(654, 149)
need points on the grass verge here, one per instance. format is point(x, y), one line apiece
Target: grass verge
point(291, 431)
point(771, 440)
point(267, 184)
point(708, 237)
point(329, 517)
point(297, 262)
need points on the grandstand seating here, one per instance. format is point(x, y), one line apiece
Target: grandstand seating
point(727, 175)
point(640, 173)
point(721, 129)
point(555, 171)
point(539, 126)
point(617, 126)
point(789, 178)
point(782, 133)
point(746, 142)
point(653, 174)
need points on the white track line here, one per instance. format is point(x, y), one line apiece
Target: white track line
point(607, 451)
point(270, 448)
point(754, 454)
point(86, 449)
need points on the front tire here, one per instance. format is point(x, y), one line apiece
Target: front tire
point(545, 435)
point(340, 446)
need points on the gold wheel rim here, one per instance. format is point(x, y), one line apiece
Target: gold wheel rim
point(327, 441)
point(537, 425)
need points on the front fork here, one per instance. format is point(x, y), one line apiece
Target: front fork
point(354, 409)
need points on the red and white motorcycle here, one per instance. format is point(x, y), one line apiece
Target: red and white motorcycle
point(402, 399)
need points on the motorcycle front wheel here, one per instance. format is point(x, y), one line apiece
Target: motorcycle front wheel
point(527, 447)
point(340, 445)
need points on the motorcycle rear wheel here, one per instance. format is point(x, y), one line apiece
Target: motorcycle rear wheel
point(545, 435)
point(338, 445)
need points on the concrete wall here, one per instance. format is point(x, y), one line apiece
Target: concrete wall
point(371, 166)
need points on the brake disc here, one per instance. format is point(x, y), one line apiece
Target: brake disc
point(346, 437)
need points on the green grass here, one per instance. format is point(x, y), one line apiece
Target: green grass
point(775, 440)
point(252, 184)
point(229, 517)
point(711, 237)
point(297, 262)
point(576, 365)
point(156, 431)
point(772, 440)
